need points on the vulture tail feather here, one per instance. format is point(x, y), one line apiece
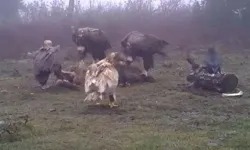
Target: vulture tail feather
point(163, 54)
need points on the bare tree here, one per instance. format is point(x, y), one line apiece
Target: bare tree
point(71, 8)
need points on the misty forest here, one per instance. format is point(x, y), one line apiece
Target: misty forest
point(162, 115)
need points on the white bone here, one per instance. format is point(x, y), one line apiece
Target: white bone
point(237, 94)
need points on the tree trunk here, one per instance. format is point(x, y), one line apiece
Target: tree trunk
point(221, 82)
point(71, 9)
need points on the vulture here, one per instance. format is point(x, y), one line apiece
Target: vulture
point(136, 44)
point(92, 41)
point(46, 62)
point(102, 78)
point(213, 61)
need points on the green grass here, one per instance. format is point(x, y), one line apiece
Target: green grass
point(151, 116)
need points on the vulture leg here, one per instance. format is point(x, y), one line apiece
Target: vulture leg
point(112, 100)
point(57, 69)
point(148, 63)
point(74, 38)
point(130, 59)
point(82, 55)
point(101, 97)
point(42, 78)
point(122, 77)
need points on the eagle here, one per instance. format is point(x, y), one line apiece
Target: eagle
point(102, 78)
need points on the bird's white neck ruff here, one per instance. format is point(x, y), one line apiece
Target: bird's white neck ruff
point(129, 58)
point(144, 72)
point(80, 48)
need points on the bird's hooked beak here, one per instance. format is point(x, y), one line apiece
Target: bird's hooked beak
point(29, 54)
point(80, 49)
point(129, 60)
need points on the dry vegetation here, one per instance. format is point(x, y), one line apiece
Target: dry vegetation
point(152, 116)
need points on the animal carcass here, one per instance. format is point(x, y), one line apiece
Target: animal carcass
point(74, 77)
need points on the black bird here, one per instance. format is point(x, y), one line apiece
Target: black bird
point(213, 61)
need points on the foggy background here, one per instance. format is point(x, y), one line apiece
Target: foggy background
point(24, 26)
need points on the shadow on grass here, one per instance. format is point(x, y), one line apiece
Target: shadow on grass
point(196, 91)
point(52, 90)
point(103, 110)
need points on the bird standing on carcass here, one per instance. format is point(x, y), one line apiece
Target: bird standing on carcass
point(136, 44)
point(46, 62)
point(92, 41)
point(213, 61)
point(101, 78)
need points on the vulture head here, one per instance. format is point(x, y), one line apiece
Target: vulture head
point(47, 44)
point(117, 59)
point(76, 36)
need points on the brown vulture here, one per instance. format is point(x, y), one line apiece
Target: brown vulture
point(136, 44)
point(46, 62)
point(92, 41)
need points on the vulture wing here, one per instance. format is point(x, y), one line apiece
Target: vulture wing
point(95, 35)
point(144, 42)
point(45, 59)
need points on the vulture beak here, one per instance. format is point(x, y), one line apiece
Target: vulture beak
point(29, 54)
point(122, 63)
point(129, 60)
point(80, 49)
point(165, 42)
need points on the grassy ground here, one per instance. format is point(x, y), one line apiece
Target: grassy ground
point(152, 116)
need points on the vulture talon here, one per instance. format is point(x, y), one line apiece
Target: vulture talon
point(112, 104)
point(127, 84)
point(124, 84)
point(45, 87)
